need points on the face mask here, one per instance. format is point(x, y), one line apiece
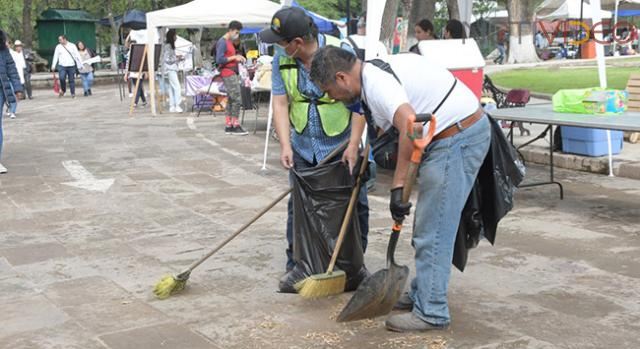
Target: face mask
point(235, 36)
point(283, 50)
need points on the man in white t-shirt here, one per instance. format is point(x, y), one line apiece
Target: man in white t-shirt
point(408, 85)
point(66, 59)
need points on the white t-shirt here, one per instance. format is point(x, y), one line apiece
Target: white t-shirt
point(424, 85)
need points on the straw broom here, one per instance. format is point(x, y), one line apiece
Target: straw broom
point(333, 282)
point(171, 284)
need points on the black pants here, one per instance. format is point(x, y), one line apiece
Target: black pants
point(27, 83)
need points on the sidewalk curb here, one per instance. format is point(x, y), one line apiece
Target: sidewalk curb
point(598, 165)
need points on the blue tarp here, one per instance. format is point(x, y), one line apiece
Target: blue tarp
point(324, 26)
point(250, 30)
point(628, 13)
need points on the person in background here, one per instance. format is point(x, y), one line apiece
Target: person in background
point(454, 30)
point(132, 78)
point(10, 86)
point(20, 63)
point(86, 70)
point(424, 31)
point(502, 50)
point(170, 66)
point(28, 60)
point(228, 60)
point(66, 59)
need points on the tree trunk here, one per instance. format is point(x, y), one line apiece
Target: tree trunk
point(114, 36)
point(154, 5)
point(420, 9)
point(195, 36)
point(27, 28)
point(521, 47)
point(389, 22)
point(130, 5)
point(65, 4)
point(452, 8)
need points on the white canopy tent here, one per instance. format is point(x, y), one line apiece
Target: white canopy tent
point(568, 9)
point(204, 13)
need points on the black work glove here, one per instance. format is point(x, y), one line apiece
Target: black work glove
point(398, 209)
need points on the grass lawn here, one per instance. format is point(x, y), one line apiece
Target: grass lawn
point(550, 80)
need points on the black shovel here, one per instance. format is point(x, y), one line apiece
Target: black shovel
point(378, 293)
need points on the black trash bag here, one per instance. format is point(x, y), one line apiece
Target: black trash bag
point(320, 199)
point(500, 175)
point(491, 197)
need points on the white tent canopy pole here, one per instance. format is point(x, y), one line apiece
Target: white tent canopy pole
point(602, 69)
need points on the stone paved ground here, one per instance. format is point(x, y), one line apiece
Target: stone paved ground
point(77, 265)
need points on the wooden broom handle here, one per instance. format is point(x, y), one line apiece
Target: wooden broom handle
point(347, 216)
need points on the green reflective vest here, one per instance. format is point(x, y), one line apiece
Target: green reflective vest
point(334, 116)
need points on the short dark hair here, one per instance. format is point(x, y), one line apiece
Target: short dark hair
point(329, 60)
point(425, 25)
point(235, 25)
point(456, 28)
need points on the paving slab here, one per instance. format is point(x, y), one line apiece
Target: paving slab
point(170, 336)
point(563, 273)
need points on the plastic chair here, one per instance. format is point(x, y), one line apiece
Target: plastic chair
point(516, 98)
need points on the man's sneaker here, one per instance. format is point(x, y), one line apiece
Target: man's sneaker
point(172, 110)
point(179, 110)
point(12, 115)
point(228, 130)
point(86, 93)
point(404, 303)
point(73, 96)
point(90, 92)
point(409, 322)
point(60, 94)
point(239, 131)
point(130, 95)
point(3, 169)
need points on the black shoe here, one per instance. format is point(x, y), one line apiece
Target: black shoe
point(404, 303)
point(86, 94)
point(239, 131)
point(90, 92)
point(73, 96)
point(228, 130)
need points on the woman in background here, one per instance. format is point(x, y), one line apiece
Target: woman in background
point(86, 70)
point(170, 66)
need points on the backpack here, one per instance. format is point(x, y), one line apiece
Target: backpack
point(385, 147)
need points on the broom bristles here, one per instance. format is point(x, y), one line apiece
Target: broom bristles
point(167, 286)
point(322, 285)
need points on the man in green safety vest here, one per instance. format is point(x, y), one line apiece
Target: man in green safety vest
point(309, 123)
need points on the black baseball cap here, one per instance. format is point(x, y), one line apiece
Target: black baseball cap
point(288, 23)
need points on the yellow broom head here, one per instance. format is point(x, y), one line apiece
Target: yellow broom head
point(322, 285)
point(167, 286)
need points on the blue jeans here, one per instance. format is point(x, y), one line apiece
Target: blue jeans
point(63, 72)
point(447, 175)
point(87, 81)
point(175, 90)
point(363, 212)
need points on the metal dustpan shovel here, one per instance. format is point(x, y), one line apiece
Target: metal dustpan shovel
point(378, 293)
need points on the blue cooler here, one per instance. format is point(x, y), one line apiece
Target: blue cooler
point(590, 141)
